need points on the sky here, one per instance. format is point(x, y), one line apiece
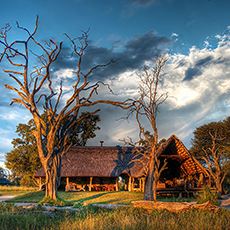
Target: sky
point(195, 34)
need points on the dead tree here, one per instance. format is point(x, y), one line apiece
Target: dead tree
point(39, 93)
point(146, 108)
point(215, 161)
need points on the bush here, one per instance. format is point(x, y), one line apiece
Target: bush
point(207, 195)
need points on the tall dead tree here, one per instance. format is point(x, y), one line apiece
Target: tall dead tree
point(38, 91)
point(146, 108)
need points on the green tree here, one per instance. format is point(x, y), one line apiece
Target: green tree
point(23, 160)
point(211, 146)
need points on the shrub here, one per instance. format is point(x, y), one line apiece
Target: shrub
point(207, 195)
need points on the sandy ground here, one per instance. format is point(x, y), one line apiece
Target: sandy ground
point(5, 198)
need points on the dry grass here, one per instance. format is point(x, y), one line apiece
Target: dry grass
point(124, 218)
point(15, 190)
point(130, 218)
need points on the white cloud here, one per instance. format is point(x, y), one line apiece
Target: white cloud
point(14, 115)
point(202, 98)
point(65, 73)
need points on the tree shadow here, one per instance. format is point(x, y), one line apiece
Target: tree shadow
point(124, 161)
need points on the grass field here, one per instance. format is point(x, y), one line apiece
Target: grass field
point(124, 218)
point(86, 198)
point(15, 190)
point(89, 217)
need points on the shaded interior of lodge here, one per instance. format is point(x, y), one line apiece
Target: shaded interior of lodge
point(104, 168)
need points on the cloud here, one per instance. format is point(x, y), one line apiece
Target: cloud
point(196, 70)
point(195, 98)
point(198, 84)
point(9, 118)
point(133, 55)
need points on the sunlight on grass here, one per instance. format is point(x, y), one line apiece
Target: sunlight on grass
point(86, 198)
point(15, 190)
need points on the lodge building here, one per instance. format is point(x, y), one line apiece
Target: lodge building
point(105, 168)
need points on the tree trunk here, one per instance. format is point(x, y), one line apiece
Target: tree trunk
point(148, 193)
point(52, 172)
point(155, 190)
point(218, 187)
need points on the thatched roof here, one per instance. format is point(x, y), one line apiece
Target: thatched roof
point(98, 162)
point(174, 147)
point(114, 161)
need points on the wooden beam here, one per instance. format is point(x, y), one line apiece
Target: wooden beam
point(117, 187)
point(90, 183)
point(67, 184)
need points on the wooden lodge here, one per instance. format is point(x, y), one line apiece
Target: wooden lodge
point(112, 168)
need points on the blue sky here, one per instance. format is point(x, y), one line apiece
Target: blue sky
point(122, 19)
point(194, 33)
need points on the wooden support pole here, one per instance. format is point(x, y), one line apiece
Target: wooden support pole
point(90, 183)
point(117, 188)
point(143, 184)
point(130, 184)
point(140, 183)
point(67, 187)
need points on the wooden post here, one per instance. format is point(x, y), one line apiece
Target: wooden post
point(117, 188)
point(140, 184)
point(90, 183)
point(67, 188)
point(130, 184)
point(143, 184)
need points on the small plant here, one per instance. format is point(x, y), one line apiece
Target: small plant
point(58, 202)
point(78, 205)
point(207, 195)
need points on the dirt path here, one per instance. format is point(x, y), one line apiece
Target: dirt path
point(5, 198)
point(225, 203)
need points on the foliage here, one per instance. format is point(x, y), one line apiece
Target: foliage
point(57, 202)
point(23, 160)
point(211, 146)
point(207, 195)
point(202, 139)
point(84, 129)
